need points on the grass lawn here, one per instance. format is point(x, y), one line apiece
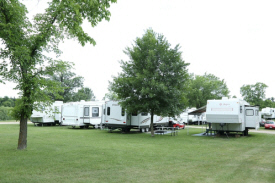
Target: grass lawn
point(59, 154)
point(13, 120)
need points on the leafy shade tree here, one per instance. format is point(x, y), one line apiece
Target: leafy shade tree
point(7, 102)
point(84, 94)
point(24, 45)
point(153, 79)
point(110, 95)
point(69, 82)
point(254, 94)
point(203, 88)
point(268, 103)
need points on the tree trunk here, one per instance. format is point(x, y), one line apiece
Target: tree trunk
point(152, 124)
point(22, 141)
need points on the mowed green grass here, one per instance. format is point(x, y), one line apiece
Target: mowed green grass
point(60, 154)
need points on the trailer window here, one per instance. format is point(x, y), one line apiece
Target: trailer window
point(257, 113)
point(241, 109)
point(86, 111)
point(134, 113)
point(122, 111)
point(144, 114)
point(108, 111)
point(249, 112)
point(95, 111)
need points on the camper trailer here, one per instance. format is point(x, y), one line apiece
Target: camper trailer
point(82, 114)
point(163, 121)
point(203, 118)
point(191, 118)
point(117, 118)
point(183, 118)
point(50, 115)
point(232, 115)
point(268, 113)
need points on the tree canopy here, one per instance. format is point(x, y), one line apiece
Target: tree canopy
point(254, 94)
point(153, 79)
point(83, 93)
point(203, 88)
point(24, 45)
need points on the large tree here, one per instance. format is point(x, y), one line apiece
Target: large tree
point(69, 81)
point(205, 87)
point(83, 94)
point(24, 45)
point(153, 79)
point(254, 94)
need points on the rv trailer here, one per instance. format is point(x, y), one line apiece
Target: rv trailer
point(117, 118)
point(163, 121)
point(268, 113)
point(183, 118)
point(232, 115)
point(82, 114)
point(50, 115)
point(191, 118)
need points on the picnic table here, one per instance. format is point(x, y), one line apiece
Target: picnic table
point(166, 130)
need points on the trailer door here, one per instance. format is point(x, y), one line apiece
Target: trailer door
point(251, 117)
point(86, 114)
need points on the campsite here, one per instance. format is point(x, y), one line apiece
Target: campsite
point(136, 91)
point(62, 154)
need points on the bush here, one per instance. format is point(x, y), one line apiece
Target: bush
point(5, 113)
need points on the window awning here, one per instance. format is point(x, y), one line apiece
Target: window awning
point(198, 111)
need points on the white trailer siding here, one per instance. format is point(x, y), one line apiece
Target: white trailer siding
point(161, 121)
point(83, 113)
point(116, 117)
point(71, 114)
point(225, 111)
point(232, 115)
point(268, 113)
point(49, 114)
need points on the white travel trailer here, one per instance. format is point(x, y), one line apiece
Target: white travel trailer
point(232, 115)
point(195, 119)
point(268, 113)
point(191, 118)
point(162, 121)
point(50, 115)
point(82, 114)
point(117, 118)
point(203, 118)
point(183, 118)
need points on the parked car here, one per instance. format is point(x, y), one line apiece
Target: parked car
point(179, 125)
point(269, 125)
point(262, 122)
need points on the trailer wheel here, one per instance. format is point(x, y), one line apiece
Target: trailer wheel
point(147, 129)
point(142, 130)
point(73, 126)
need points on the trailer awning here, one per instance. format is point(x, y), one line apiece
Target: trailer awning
point(198, 111)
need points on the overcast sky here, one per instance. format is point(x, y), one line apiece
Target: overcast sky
point(234, 40)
